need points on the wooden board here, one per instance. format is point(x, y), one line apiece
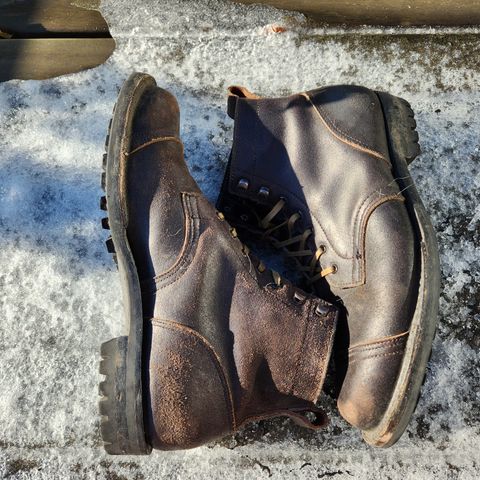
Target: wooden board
point(45, 58)
point(45, 38)
point(385, 12)
point(36, 18)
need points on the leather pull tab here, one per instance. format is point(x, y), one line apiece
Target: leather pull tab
point(234, 93)
point(319, 420)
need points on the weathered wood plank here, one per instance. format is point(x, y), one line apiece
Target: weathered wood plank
point(45, 58)
point(385, 12)
point(45, 17)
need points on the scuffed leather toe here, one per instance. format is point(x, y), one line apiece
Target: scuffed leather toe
point(158, 115)
point(370, 380)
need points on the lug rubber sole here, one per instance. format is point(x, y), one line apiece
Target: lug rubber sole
point(121, 405)
point(403, 145)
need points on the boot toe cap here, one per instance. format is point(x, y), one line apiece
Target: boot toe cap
point(370, 381)
point(157, 116)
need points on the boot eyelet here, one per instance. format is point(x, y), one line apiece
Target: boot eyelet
point(323, 248)
point(233, 233)
point(243, 184)
point(322, 310)
point(335, 268)
point(263, 192)
point(221, 216)
point(299, 297)
point(261, 268)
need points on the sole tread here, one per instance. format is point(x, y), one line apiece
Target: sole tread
point(120, 404)
point(404, 147)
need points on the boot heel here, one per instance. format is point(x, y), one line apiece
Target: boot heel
point(401, 125)
point(112, 393)
point(119, 437)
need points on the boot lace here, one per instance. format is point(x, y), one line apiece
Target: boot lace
point(294, 245)
point(260, 266)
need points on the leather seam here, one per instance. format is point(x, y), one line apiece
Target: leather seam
point(181, 265)
point(392, 343)
point(300, 356)
point(396, 338)
point(358, 219)
point(330, 326)
point(178, 327)
point(363, 228)
point(300, 364)
point(154, 141)
point(122, 181)
point(340, 134)
point(376, 356)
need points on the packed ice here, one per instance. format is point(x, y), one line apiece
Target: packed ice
point(60, 292)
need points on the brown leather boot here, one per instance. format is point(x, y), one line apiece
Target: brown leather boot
point(323, 175)
point(215, 340)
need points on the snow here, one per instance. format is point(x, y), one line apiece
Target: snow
point(60, 290)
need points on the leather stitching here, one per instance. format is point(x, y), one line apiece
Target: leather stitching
point(300, 356)
point(123, 153)
point(152, 142)
point(358, 216)
point(376, 356)
point(340, 134)
point(178, 327)
point(388, 344)
point(299, 364)
point(364, 221)
point(189, 234)
point(182, 264)
point(382, 341)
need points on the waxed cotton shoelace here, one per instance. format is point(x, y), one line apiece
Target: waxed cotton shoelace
point(311, 269)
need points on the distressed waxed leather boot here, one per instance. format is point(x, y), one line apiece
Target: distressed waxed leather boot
point(215, 340)
point(323, 176)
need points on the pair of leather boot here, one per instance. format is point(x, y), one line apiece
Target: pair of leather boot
point(215, 339)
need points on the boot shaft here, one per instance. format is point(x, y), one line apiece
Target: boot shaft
point(226, 341)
